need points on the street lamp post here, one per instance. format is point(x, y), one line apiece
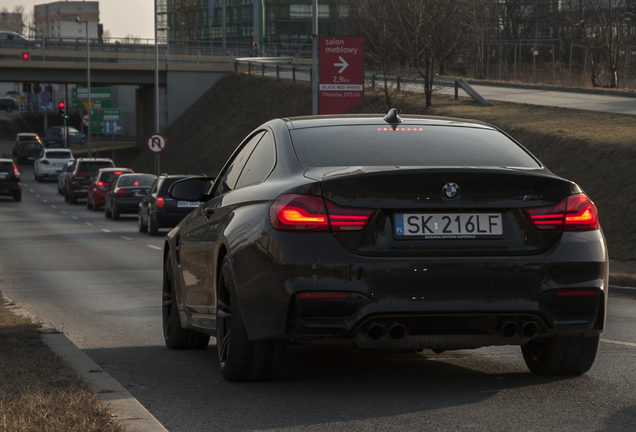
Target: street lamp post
point(88, 86)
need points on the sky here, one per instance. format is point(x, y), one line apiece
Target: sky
point(120, 17)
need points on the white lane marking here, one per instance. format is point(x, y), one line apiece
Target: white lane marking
point(44, 201)
point(105, 230)
point(126, 238)
point(36, 194)
point(88, 223)
point(622, 287)
point(629, 344)
point(63, 212)
point(74, 217)
point(30, 189)
point(154, 247)
point(53, 206)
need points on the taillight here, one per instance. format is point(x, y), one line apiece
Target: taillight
point(574, 213)
point(44, 162)
point(100, 184)
point(121, 192)
point(347, 218)
point(16, 173)
point(299, 213)
point(160, 202)
point(309, 213)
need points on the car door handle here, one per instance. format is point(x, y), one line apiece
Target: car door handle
point(209, 211)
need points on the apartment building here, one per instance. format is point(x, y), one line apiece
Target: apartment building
point(57, 19)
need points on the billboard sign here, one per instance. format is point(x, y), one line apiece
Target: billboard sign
point(341, 74)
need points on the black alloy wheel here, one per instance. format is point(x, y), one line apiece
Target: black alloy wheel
point(141, 226)
point(239, 358)
point(563, 355)
point(174, 335)
point(152, 229)
point(114, 213)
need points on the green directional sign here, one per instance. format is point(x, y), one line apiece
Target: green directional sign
point(106, 121)
point(101, 97)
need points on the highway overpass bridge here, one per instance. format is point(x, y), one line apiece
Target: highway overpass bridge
point(183, 76)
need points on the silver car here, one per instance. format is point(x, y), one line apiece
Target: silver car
point(50, 163)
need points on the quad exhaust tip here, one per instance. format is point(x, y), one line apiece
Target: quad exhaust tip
point(397, 332)
point(508, 329)
point(530, 329)
point(375, 332)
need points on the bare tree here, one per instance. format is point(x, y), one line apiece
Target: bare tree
point(375, 21)
point(481, 16)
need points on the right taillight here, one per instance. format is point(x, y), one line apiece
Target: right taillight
point(309, 213)
point(574, 213)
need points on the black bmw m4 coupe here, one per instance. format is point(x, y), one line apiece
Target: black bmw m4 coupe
point(390, 233)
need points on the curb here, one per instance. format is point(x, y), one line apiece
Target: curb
point(127, 410)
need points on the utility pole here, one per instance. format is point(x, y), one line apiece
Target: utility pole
point(314, 67)
point(157, 162)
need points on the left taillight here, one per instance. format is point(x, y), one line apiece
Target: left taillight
point(310, 213)
point(16, 173)
point(160, 202)
point(574, 213)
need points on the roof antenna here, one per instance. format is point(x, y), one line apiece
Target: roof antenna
point(392, 118)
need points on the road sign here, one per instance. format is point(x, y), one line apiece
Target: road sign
point(341, 74)
point(37, 88)
point(85, 119)
point(45, 105)
point(100, 116)
point(101, 96)
point(113, 127)
point(156, 143)
point(46, 96)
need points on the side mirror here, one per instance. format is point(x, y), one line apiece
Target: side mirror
point(189, 189)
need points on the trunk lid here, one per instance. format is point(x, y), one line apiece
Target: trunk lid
point(484, 218)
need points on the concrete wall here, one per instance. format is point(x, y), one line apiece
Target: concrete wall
point(124, 98)
point(184, 88)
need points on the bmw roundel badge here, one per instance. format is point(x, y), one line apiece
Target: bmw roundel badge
point(450, 191)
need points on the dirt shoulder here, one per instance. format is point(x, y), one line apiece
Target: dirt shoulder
point(39, 390)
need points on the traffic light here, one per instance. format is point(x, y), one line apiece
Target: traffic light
point(26, 56)
point(62, 109)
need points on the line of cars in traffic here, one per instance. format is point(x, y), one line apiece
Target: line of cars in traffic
point(104, 186)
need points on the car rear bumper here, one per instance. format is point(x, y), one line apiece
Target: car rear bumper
point(170, 220)
point(463, 301)
point(8, 188)
point(128, 205)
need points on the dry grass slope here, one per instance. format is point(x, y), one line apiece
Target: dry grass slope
point(38, 390)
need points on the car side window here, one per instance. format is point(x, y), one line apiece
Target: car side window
point(153, 189)
point(260, 163)
point(228, 178)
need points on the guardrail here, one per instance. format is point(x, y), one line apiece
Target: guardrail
point(396, 80)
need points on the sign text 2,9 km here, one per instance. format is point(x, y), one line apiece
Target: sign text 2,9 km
point(341, 74)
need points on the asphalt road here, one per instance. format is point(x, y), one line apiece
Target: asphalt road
point(555, 98)
point(99, 281)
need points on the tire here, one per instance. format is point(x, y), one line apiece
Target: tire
point(153, 229)
point(107, 213)
point(141, 226)
point(96, 207)
point(37, 177)
point(8, 109)
point(114, 213)
point(89, 206)
point(72, 199)
point(564, 355)
point(239, 358)
point(175, 336)
point(59, 189)
point(17, 196)
point(66, 196)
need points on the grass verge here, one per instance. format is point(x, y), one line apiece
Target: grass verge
point(38, 390)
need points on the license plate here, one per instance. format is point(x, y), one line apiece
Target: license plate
point(59, 164)
point(138, 194)
point(3, 174)
point(448, 225)
point(187, 204)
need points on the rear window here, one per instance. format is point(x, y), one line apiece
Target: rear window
point(167, 182)
point(32, 145)
point(58, 155)
point(110, 176)
point(6, 167)
point(136, 180)
point(407, 146)
point(91, 167)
